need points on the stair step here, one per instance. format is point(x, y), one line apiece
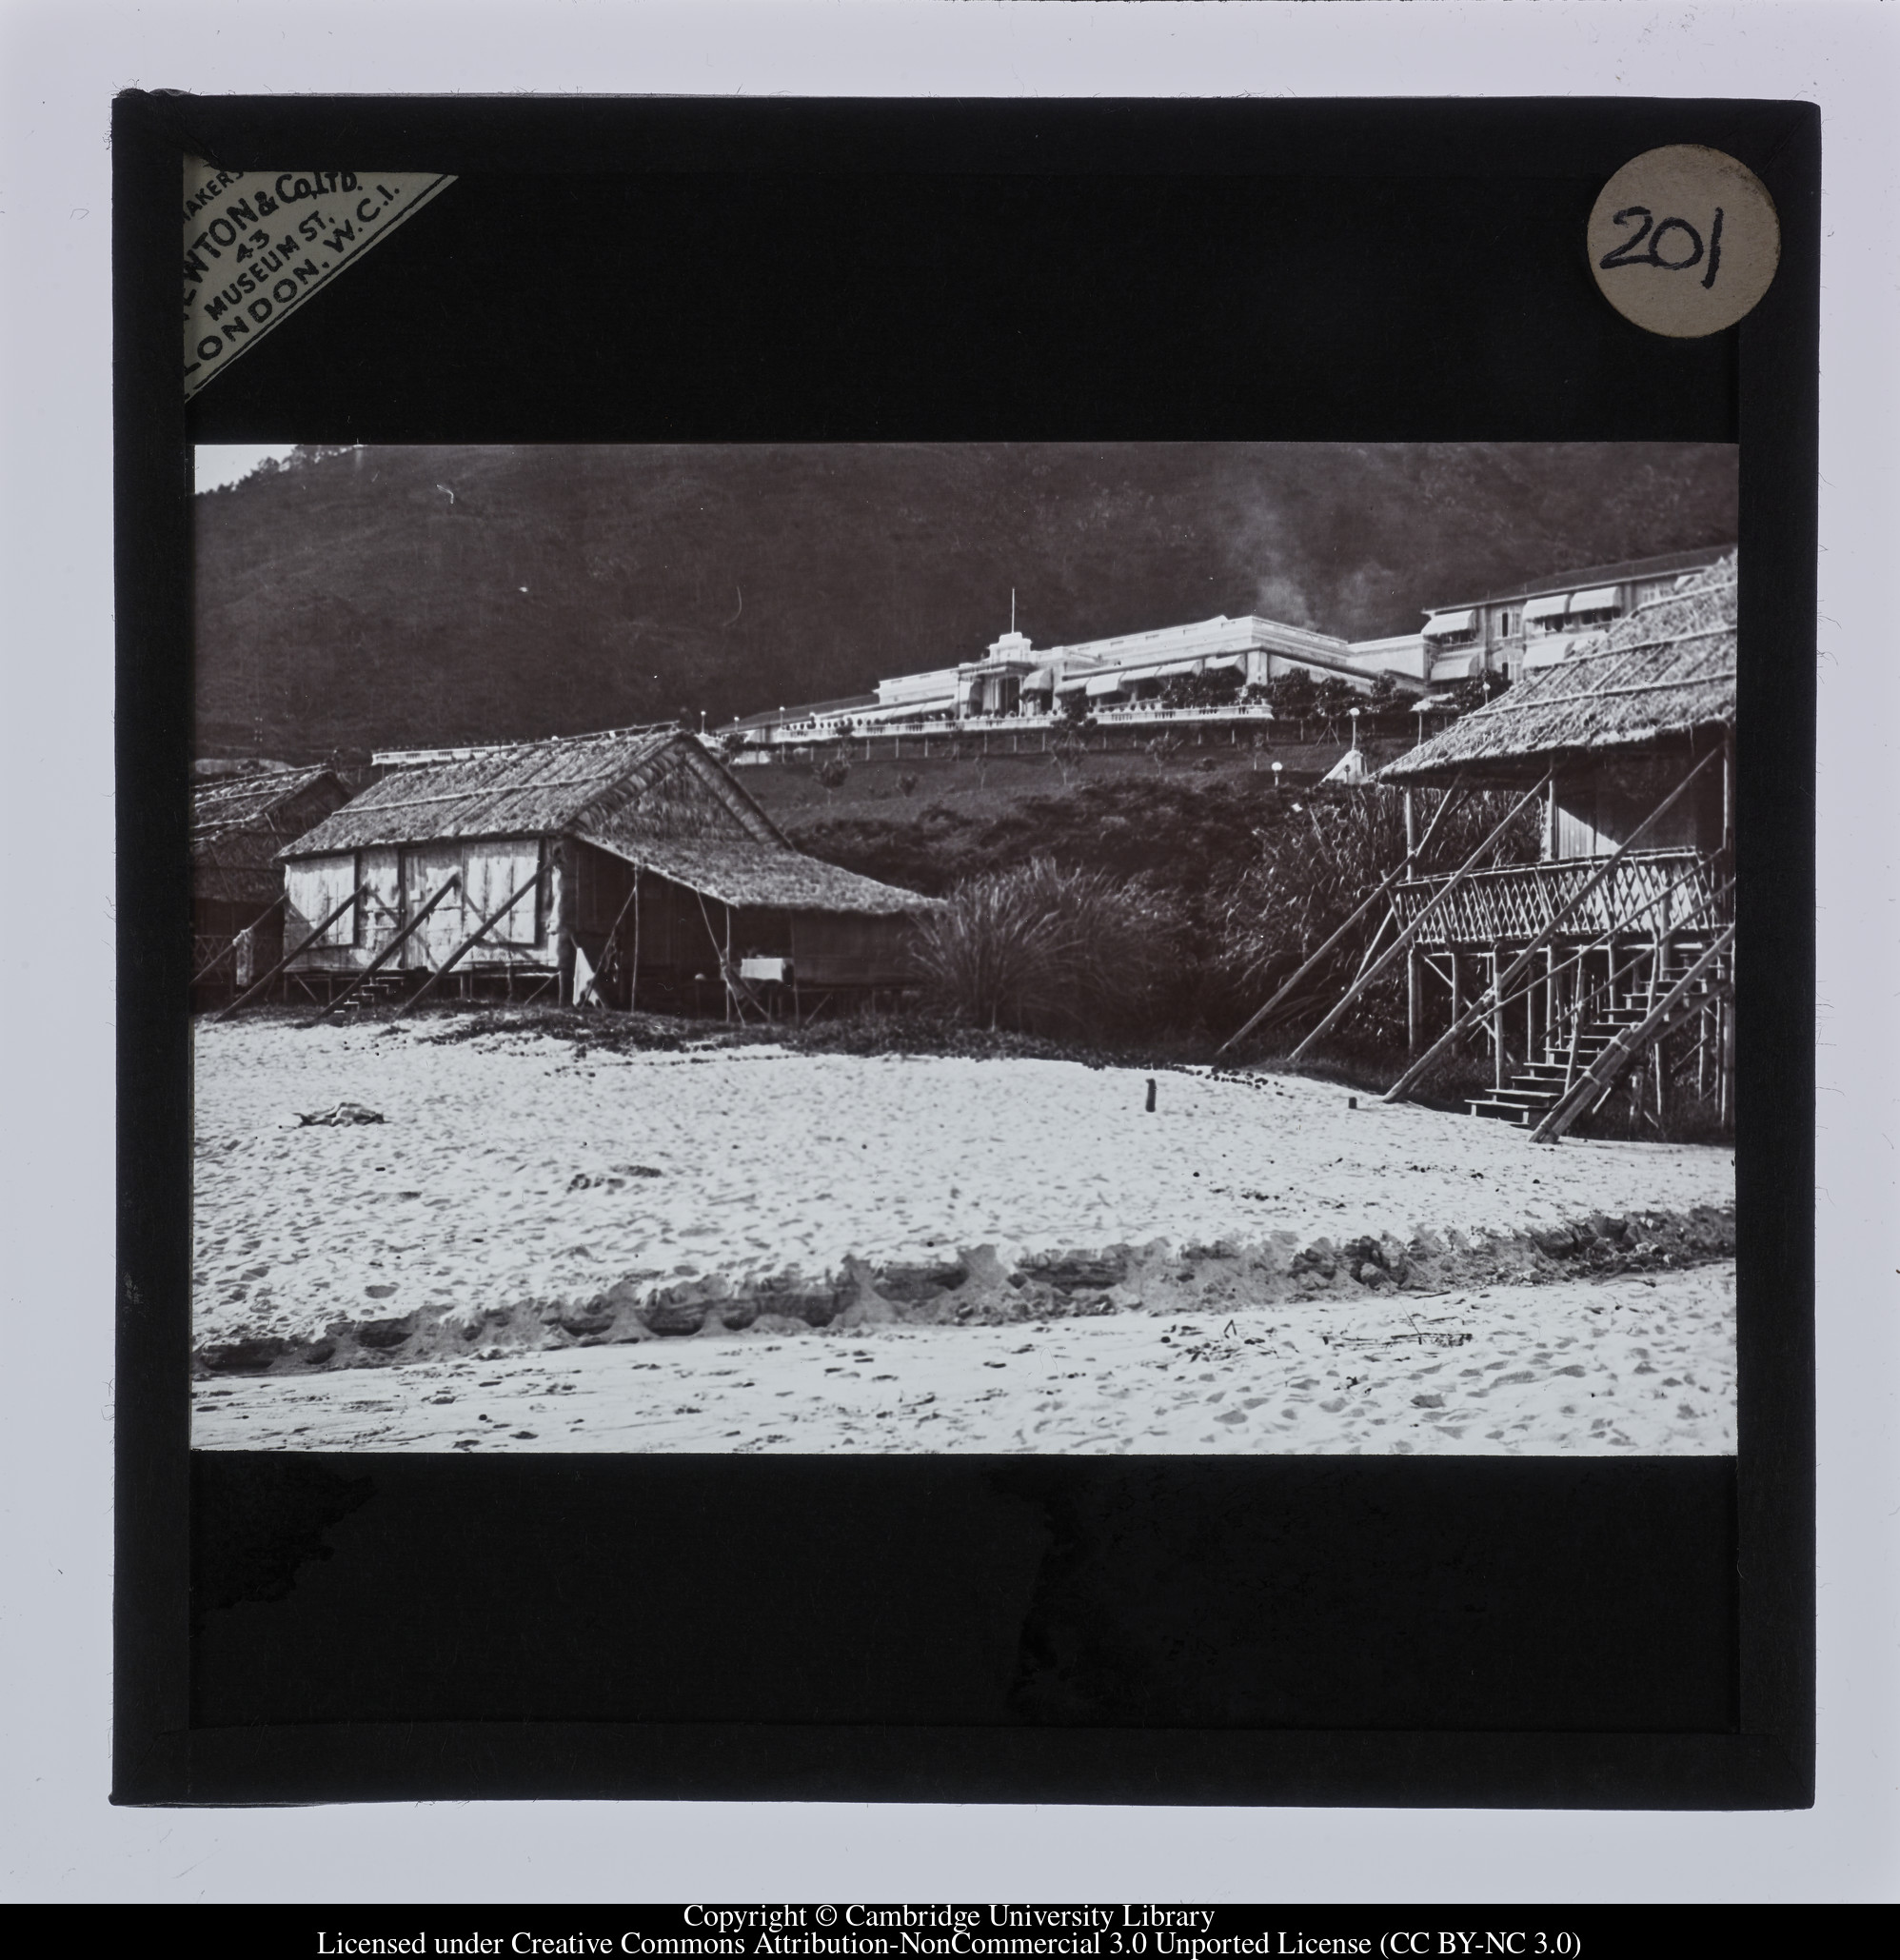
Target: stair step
point(1501, 1111)
point(1539, 1086)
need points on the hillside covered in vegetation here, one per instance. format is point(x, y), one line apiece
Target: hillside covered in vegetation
point(406, 596)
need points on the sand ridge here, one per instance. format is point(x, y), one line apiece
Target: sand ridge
point(1621, 1366)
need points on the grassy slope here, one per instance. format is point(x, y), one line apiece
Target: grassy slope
point(1183, 823)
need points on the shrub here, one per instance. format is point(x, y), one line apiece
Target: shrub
point(1038, 949)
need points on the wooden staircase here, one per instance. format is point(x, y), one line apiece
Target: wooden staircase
point(1535, 1090)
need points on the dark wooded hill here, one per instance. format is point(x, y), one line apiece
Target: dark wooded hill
point(385, 597)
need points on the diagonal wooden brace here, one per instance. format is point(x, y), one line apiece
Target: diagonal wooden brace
point(395, 945)
point(468, 944)
point(309, 939)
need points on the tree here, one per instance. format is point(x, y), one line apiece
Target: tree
point(1475, 692)
point(1291, 694)
point(1211, 690)
point(1334, 697)
point(1067, 752)
point(833, 772)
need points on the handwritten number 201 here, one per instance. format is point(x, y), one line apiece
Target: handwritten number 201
point(1628, 253)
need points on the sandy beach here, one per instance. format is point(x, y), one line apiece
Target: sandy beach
point(530, 1212)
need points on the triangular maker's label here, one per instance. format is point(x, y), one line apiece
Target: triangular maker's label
point(259, 243)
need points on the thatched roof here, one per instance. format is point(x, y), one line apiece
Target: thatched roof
point(223, 803)
point(774, 877)
point(239, 823)
point(632, 784)
point(1662, 673)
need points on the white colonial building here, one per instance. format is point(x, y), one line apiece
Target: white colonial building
point(1127, 678)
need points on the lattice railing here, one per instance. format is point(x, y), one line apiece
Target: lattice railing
point(1660, 892)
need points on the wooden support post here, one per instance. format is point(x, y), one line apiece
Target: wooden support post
point(1414, 1022)
point(1530, 1020)
point(454, 959)
point(1550, 1000)
point(1724, 1059)
point(1497, 1062)
point(309, 939)
point(395, 945)
point(1727, 791)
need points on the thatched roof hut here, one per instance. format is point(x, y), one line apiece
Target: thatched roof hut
point(239, 824)
point(1663, 678)
point(631, 862)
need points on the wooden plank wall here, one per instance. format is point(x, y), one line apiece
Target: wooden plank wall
point(402, 879)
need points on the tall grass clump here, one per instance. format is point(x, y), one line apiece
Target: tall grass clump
point(1267, 919)
point(1038, 949)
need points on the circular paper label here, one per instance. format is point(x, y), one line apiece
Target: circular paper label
point(1684, 240)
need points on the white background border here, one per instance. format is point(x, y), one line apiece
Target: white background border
point(60, 64)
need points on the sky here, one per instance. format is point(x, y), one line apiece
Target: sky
point(217, 463)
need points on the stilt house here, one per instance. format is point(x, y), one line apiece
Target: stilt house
point(1612, 957)
point(239, 823)
point(629, 869)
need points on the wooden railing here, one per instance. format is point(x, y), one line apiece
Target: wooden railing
point(1651, 892)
